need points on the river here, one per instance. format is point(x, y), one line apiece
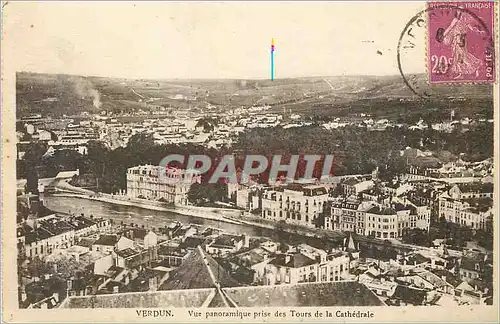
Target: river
point(140, 216)
point(158, 219)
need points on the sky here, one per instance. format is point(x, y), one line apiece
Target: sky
point(207, 40)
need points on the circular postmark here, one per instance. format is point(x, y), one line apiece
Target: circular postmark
point(453, 42)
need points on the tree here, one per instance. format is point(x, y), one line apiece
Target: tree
point(208, 124)
point(35, 152)
point(202, 193)
point(196, 194)
point(416, 236)
point(32, 180)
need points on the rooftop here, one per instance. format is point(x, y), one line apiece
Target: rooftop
point(226, 240)
point(381, 211)
point(199, 270)
point(109, 240)
point(475, 187)
point(296, 260)
point(344, 293)
point(126, 253)
point(179, 298)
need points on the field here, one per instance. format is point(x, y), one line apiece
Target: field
point(328, 96)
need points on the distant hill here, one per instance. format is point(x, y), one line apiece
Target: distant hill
point(68, 94)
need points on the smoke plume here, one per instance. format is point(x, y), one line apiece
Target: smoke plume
point(85, 89)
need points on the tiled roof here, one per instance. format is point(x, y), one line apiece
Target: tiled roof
point(109, 240)
point(252, 257)
point(346, 293)
point(226, 240)
point(180, 298)
point(409, 295)
point(125, 253)
point(297, 260)
point(448, 276)
point(81, 222)
point(196, 272)
point(381, 211)
point(192, 242)
point(135, 233)
point(343, 293)
point(477, 187)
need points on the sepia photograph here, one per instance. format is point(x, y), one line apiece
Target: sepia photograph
point(249, 161)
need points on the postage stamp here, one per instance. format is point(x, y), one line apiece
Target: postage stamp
point(460, 43)
point(151, 173)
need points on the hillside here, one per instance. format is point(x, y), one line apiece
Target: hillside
point(68, 94)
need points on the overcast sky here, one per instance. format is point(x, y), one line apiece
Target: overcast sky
point(207, 40)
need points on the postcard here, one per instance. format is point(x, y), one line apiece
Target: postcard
point(249, 161)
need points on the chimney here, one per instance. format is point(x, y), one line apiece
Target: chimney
point(288, 257)
point(55, 267)
point(116, 289)
point(443, 278)
point(24, 296)
point(56, 296)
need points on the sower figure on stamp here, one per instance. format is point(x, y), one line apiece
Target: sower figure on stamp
point(463, 62)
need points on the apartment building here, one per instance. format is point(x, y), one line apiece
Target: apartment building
point(354, 186)
point(411, 216)
point(159, 183)
point(471, 190)
point(348, 216)
point(291, 268)
point(471, 212)
point(295, 204)
point(304, 265)
point(50, 233)
point(382, 220)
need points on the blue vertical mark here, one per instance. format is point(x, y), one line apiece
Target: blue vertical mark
point(272, 65)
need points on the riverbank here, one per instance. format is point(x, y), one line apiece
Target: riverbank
point(217, 214)
point(233, 217)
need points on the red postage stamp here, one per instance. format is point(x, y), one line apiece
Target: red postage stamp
point(461, 41)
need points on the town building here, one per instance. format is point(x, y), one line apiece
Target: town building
point(42, 236)
point(159, 183)
point(295, 204)
point(291, 268)
point(226, 243)
point(375, 219)
point(475, 213)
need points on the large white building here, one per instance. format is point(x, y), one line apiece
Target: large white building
point(155, 182)
point(380, 220)
point(470, 212)
point(295, 204)
point(304, 265)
